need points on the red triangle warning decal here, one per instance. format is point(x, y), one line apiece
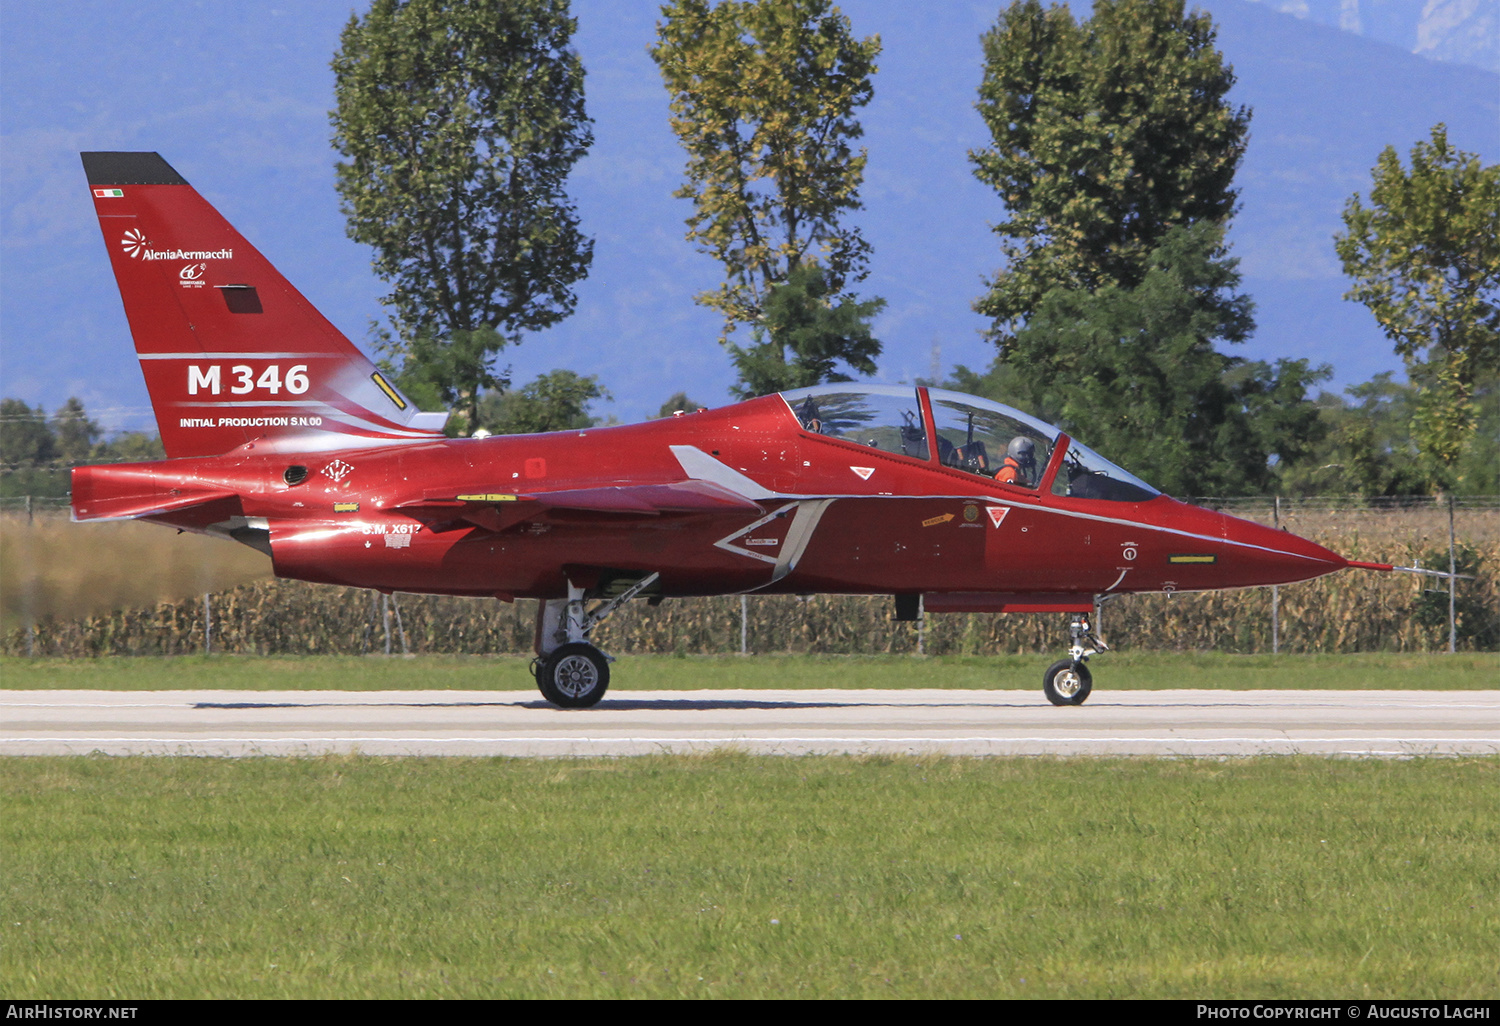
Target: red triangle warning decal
point(997, 513)
point(863, 472)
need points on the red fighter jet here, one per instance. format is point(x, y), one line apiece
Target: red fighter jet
point(285, 437)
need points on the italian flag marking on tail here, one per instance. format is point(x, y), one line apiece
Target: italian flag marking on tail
point(109, 193)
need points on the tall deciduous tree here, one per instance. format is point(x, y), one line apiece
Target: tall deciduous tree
point(1114, 151)
point(803, 335)
point(764, 95)
point(1107, 134)
point(460, 121)
point(1135, 373)
point(1425, 258)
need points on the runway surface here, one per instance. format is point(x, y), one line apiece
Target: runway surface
point(518, 723)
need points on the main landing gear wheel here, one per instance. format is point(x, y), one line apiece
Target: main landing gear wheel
point(1067, 682)
point(574, 676)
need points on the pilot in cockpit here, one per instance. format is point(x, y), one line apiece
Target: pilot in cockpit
point(1019, 467)
point(808, 414)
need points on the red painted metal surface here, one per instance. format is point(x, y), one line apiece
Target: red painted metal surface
point(464, 516)
point(286, 438)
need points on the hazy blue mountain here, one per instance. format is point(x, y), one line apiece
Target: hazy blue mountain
point(1460, 31)
point(236, 98)
point(1325, 104)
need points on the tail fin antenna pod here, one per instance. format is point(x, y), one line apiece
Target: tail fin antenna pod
point(231, 352)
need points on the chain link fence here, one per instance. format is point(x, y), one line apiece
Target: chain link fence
point(219, 598)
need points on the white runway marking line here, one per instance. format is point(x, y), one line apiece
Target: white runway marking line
point(1189, 723)
point(768, 739)
point(539, 704)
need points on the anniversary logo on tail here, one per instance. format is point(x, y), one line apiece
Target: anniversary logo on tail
point(284, 436)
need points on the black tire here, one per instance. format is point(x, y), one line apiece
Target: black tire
point(1067, 683)
point(574, 676)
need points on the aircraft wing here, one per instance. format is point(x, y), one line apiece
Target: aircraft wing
point(496, 511)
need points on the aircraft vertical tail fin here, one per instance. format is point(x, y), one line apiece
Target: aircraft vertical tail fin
point(231, 352)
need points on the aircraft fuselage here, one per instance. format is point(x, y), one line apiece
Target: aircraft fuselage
point(835, 516)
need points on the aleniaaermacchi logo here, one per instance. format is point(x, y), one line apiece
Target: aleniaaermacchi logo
point(134, 243)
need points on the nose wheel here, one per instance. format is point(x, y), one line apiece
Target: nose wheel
point(1068, 681)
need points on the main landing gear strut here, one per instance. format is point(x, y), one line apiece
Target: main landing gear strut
point(570, 671)
point(1068, 681)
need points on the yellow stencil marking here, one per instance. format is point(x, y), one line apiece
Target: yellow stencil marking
point(390, 393)
point(1192, 559)
point(933, 521)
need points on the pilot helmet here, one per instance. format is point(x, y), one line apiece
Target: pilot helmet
point(1022, 450)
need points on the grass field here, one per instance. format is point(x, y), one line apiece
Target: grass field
point(1123, 670)
point(734, 876)
point(51, 567)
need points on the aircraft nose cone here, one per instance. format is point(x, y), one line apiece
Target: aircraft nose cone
point(1266, 555)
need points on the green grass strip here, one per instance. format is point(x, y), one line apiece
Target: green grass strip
point(1122, 670)
point(735, 876)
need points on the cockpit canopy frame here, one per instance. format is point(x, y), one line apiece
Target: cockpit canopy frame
point(973, 435)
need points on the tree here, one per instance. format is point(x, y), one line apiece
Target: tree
point(75, 434)
point(678, 401)
point(803, 334)
point(460, 121)
point(28, 452)
point(553, 402)
point(131, 447)
point(764, 95)
point(26, 440)
point(1114, 150)
point(442, 374)
point(1134, 373)
point(1425, 258)
point(1108, 133)
point(37, 452)
point(1367, 447)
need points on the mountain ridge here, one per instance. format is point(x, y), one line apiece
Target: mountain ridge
point(239, 105)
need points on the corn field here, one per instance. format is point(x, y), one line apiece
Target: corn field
point(1351, 611)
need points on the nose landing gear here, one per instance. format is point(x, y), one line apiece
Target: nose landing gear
point(1068, 681)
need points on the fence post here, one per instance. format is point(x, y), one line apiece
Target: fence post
point(744, 625)
point(1276, 591)
point(28, 510)
point(370, 624)
point(385, 620)
point(400, 627)
point(1452, 572)
point(208, 625)
point(921, 626)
